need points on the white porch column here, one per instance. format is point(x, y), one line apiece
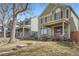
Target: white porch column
point(23, 31)
point(43, 30)
point(52, 31)
point(63, 28)
point(39, 32)
point(69, 30)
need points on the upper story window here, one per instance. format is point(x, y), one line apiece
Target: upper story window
point(62, 14)
point(41, 20)
point(27, 22)
point(52, 17)
point(49, 18)
point(57, 16)
point(45, 19)
point(67, 13)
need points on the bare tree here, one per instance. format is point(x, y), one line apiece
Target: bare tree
point(17, 8)
point(4, 13)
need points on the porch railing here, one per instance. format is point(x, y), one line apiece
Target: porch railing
point(46, 37)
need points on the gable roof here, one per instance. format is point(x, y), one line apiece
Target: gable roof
point(48, 9)
point(52, 7)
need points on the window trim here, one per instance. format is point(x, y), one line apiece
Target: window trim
point(41, 20)
point(57, 16)
point(46, 19)
point(67, 14)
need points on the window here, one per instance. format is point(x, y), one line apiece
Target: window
point(45, 19)
point(44, 31)
point(49, 18)
point(67, 13)
point(41, 31)
point(41, 20)
point(58, 29)
point(62, 14)
point(52, 17)
point(0, 30)
point(57, 16)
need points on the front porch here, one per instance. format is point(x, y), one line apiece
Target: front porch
point(23, 33)
point(60, 30)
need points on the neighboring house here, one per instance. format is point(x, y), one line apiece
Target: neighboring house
point(23, 29)
point(58, 19)
point(27, 28)
point(34, 26)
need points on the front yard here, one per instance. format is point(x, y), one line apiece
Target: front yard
point(38, 48)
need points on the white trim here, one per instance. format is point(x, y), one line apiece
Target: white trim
point(69, 30)
point(63, 28)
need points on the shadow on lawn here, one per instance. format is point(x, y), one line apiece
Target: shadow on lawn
point(62, 43)
point(65, 43)
point(4, 44)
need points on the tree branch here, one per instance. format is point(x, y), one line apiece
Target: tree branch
point(24, 9)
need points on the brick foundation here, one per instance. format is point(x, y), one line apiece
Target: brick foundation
point(74, 35)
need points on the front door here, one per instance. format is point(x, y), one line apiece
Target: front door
point(58, 30)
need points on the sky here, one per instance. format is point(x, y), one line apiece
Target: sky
point(35, 10)
point(75, 7)
point(38, 8)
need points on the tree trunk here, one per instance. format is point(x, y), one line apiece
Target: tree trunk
point(15, 12)
point(4, 33)
point(12, 39)
point(23, 30)
point(23, 33)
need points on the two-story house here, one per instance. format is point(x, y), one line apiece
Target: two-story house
point(58, 19)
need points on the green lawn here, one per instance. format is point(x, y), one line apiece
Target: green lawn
point(40, 48)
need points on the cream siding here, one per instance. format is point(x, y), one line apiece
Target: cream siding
point(75, 21)
point(67, 31)
point(58, 10)
point(52, 31)
point(49, 31)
